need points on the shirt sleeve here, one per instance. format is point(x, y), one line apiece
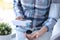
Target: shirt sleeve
point(53, 17)
point(18, 8)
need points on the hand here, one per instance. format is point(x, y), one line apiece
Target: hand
point(37, 33)
point(19, 18)
point(29, 36)
point(33, 36)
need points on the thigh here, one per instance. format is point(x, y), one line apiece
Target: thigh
point(46, 36)
point(20, 35)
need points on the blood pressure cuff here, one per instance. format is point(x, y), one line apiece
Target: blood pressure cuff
point(55, 1)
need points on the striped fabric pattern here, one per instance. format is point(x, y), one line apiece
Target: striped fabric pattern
point(56, 1)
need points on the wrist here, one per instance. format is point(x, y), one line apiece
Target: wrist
point(42, 31)
point(19, 18)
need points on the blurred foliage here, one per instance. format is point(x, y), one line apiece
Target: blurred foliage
point(5, 29)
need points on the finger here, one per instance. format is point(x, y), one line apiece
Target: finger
point(37, 36)
point(28, 36)
point(33, 36)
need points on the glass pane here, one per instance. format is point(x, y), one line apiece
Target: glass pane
point(6, 11)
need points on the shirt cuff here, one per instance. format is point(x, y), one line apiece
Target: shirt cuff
point(49, 24)
point(18, 14)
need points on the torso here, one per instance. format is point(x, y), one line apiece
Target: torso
point(35, 8)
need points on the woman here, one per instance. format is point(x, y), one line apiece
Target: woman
point(38, 12)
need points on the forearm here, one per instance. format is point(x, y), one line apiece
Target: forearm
point(42, 31)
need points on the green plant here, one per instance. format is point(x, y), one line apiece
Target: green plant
point(5, 29)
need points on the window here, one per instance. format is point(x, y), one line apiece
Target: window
point(6, 10)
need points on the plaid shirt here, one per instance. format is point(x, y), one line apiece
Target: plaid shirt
point(37, 11)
